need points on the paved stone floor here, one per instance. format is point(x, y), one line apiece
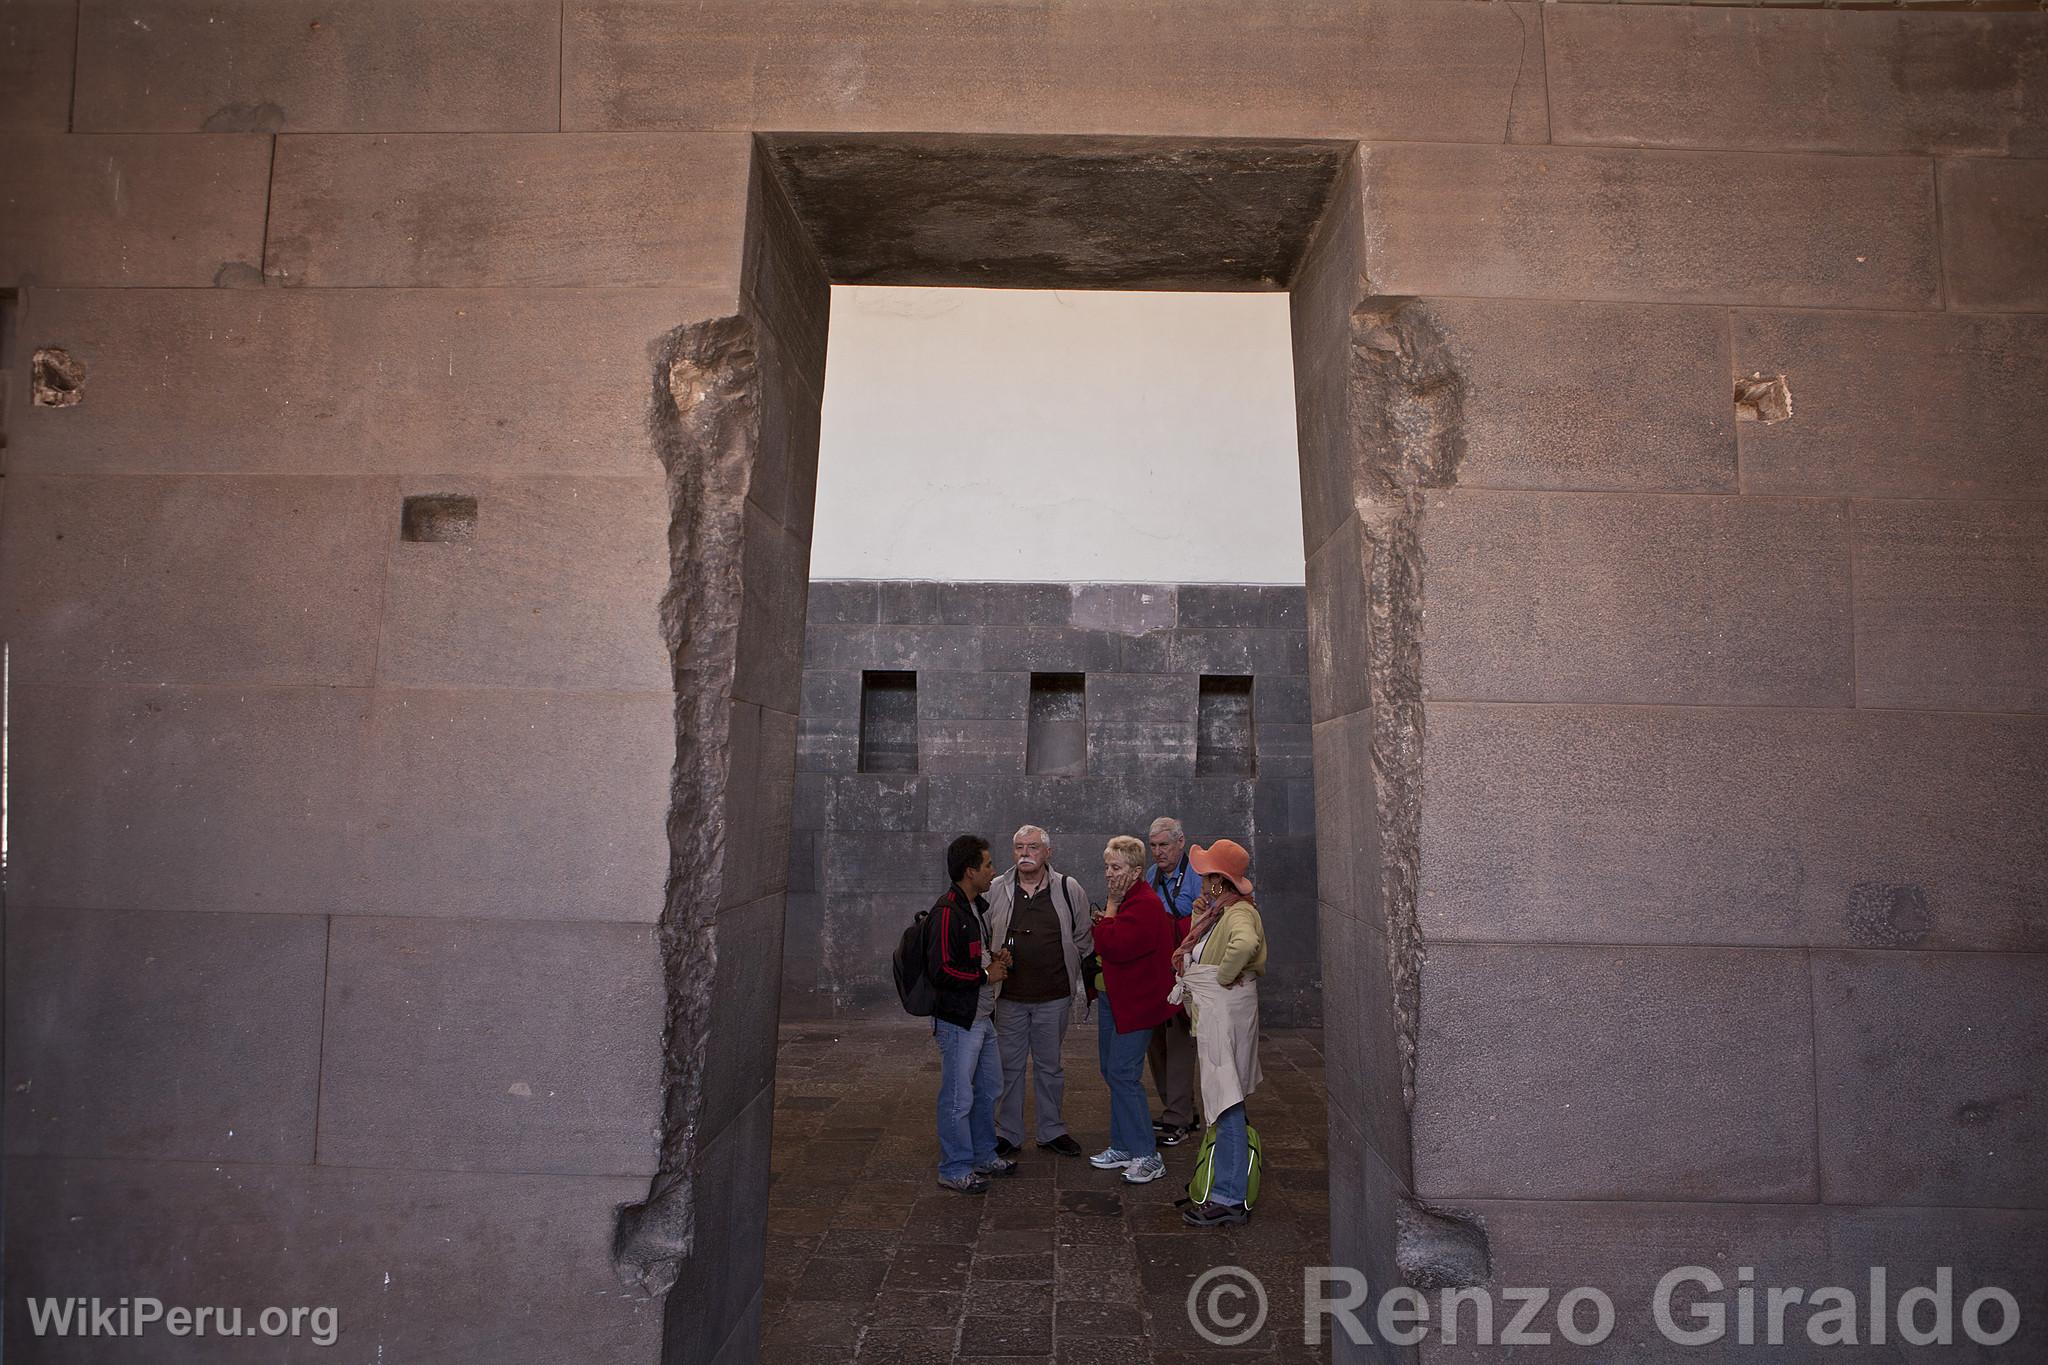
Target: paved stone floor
point(869, 1261)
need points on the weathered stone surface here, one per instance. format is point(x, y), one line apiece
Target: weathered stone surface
point(1614, 597)
point(971, 722)
point(1326, 288)
point(1952, 605)
point(259, 66)
point(177, 1037)
point(828, 737)
point(1339, 577)
point(36, 42)
point(1783, 80)
point(760, 791)
point(1005, 604)
point(718, 1298)
point(350, 381)
point(1362, 1052)
point(1624, 1248)
point(840, 649)
point(775, 573)
point(1930, 1065)
point(656, 210)
point(1047, 212)
point(167, 797)
point(1533, 1057)
point(740, 1063)
point(1045, 649)
point(1126, 608)
point(842, 603)
point(545, 1293)
point(1692, 227)
point(195, 580)
point(787, 292)
point(478, 1045)
point(1878, 829)
point(1329, 69)
point(1994, 234)
point(130, 211)
point(1590, 396)
point(1241, 605)
point(520, 805)
point(1141, 725)
point(1907, 405)
point(560, 587)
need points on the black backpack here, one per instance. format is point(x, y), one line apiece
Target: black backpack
point(913, 978)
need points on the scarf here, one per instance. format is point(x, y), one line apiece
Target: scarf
point(1204, 921)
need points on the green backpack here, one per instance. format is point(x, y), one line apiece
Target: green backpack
point(1203, 1181)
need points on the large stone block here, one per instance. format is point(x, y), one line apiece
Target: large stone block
point(1615, 597)
point(1904, 405)
point(260, 66)
point(1952, 605)
point(559, 587)
point(1625, 1248)
point(972, 722)
point(828, 735)
point(853, 648)
point(1533, 1058)
point(168, 1036)
point(1361, 1047)
point(1340, 623)
point(492, 1045)
point(442, 382)
point(1242, 605)
point(1329, 69)
point(128, 211)
point(842, 602)
point(760, 791)
point(1347, 825)
point(717, 1298)
point(520, 805)
point(1126, 608)
point(872, 801)
point(37, 38)
point(1041, 649)
point(1782, 80)
point(788, 292)
point(739, 1064)
point(1930, 1068)
point(1994, 234)
point(656, 210)
point(877, 861)
point(775, 575)
point(195, 580)
point(241, 1235)
point(1141, 725)
point(1878, 829)
point(1585, 395)
point(1674, 227)
point(176, 798)
point(1004, 604)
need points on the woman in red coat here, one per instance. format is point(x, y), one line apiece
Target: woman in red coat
point(1135, 938)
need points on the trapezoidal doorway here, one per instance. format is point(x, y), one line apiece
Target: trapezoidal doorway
point(736, 407)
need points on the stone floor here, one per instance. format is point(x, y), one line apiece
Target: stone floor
point(868, 1261)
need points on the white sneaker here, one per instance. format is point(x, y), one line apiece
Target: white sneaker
point(1109, 1158)
point(1145, 1170)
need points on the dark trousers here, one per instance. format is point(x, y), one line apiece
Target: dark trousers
point(1173, 1071)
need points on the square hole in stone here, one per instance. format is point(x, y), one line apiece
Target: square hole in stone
point(1223, 728)
point(436, 517)
point(888, 722)
point(1056, 740)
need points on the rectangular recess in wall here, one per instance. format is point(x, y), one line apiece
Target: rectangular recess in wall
point(1056, 740)
point(1223, 728)
point(888, 722)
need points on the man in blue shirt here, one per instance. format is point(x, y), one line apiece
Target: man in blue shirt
point(1172, 1053)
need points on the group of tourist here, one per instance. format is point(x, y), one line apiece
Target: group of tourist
point(1170, 959)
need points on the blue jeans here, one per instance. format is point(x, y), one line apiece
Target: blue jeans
point(1122, 1056)
point(1232, 1159)
point(970, 1078)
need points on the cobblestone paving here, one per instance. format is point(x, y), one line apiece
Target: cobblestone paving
point(870, 1262)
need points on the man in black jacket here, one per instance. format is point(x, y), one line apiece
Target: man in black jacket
point(966, 976)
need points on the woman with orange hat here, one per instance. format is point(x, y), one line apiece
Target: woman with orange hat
point(1219, 963)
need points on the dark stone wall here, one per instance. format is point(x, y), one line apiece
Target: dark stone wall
point(1123, 736)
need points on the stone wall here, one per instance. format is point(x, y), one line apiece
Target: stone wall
point(383, 912)
point(1087, 709)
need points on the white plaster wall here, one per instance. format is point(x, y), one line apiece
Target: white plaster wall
point(1028, 435)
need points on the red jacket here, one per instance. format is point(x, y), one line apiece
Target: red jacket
point(1136, 947)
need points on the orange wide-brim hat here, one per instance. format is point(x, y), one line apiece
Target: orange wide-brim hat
point(1226, 858)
